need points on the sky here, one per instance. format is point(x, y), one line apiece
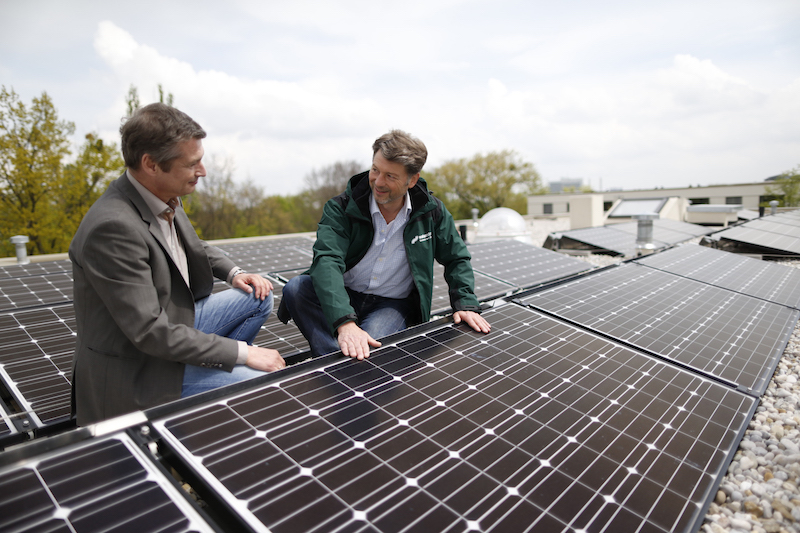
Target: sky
point(622, 94)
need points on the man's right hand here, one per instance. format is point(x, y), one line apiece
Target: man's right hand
point(354, 341)
point(265, 359)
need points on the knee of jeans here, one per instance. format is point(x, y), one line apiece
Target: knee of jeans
point(266, 305)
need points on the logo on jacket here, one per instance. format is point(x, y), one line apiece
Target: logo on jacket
point(421, 238)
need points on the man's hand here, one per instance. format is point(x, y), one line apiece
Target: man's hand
point(261, 285)
point(354, 341)
point(264, 359)
point(473, 320)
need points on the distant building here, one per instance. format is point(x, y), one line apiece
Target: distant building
point(569, 184)
point(747, 195)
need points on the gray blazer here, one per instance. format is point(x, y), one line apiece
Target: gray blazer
point(135, 314)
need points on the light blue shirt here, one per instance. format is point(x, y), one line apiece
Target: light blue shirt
point(384, 270)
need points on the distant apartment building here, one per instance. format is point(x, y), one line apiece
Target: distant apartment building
point(565, 184)
point(747, 195)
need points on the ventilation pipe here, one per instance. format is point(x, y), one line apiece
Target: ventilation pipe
point(644, 233)
point(475, 217)
point(22, 254)
point(773, 207)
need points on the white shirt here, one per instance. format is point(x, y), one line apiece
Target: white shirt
point(384, 270)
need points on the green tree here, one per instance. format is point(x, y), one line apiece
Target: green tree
point(323, 184)
point(497, 179)
point(787, 187)
point(40, 195)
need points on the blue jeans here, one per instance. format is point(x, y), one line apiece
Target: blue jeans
point(377, 315)
point(232, 313)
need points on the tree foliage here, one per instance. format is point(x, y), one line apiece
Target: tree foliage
point(497, 179)
point(41, 196)
point(323, 184)
point(787, 187)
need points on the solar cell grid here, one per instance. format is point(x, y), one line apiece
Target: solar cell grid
point(271, 255)
point(523, 265)
point(538, 426)
point(36, 361)
point(101, 485)
point(774, 225)
point(18, 293)
point(762, 279)
point(661, 233)
point(732, 336)
point(36, 269)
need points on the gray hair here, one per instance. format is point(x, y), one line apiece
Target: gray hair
point(400, 147)
point(157, 129)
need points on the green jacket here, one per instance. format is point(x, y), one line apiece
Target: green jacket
point(345, 232)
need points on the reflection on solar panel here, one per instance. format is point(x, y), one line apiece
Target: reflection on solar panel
point(762, 279)
point(537, 426)
point(270, 255)
point(621, 238)
point(17, 293)
point(36, 361)
point(36, 269)
point(521, 264)
point(102, 485)
point(719, 332)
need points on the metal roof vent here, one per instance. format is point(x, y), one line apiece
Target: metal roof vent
point(644, 233)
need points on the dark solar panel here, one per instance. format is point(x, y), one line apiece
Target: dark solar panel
point(36, 269)
point(608, 238)
point(764, 240)
point(719, 332)
point(486, 288)
point(538, 426)
point(762, 279)
point(30, 291)
point(264, 256)
point(668, 231)
point(36, 361)
point(523, 265)
point(101, 485)
point(7, 427)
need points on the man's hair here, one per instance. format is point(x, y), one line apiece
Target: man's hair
point(157, 129)
point(400, 147)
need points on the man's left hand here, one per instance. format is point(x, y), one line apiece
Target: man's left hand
point(252, 282)
point(473, 320)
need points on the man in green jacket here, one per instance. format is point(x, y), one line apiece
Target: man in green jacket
point(372, 273)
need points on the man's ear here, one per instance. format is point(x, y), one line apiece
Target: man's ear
point(149, 165)
point(413, 180)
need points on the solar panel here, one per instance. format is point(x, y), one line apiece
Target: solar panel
point(763, 240)
point(668, 231)
point(285, 338)
point(7, 428)
point(762, 279)
point(101, 485)
point(725, 334)
point(781, 226)
point(30, 291)
point(36, 269)
point(537, 426)
point(523, 265)
point(606, 238)
point(36, 361)
point(264, 256)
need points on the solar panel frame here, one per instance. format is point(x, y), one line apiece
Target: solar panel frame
point(691, 323)
point(447, 431)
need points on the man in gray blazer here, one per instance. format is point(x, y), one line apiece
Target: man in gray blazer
point(149, 329)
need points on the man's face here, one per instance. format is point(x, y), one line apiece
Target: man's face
point(389, 181)
point(184, 172)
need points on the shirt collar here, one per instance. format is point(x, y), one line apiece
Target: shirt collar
point(153, 202)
